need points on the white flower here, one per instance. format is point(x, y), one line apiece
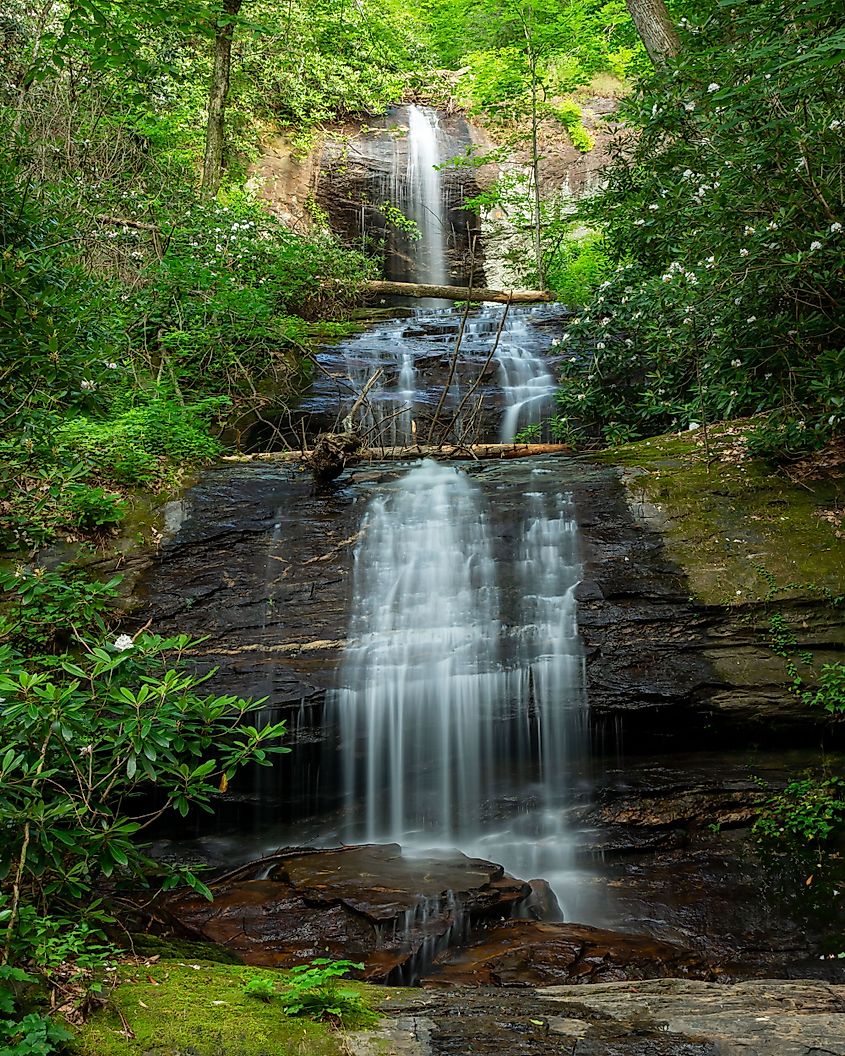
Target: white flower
point(689, 107)
point(111, 366)
point(733, 392)
point(629, 343)
point(835, 228)
point(87, 386)
point(565, 337)
point(687, 320)
point(751, 319)
point(736, 362)
point(123, 642)
point(815, 245)
point(743, 252)
point(766, 377)
point(639, 223)
point(834, 125)
point(581, 396)
point(654, 206)
point(666, 278)
point(687, 173)
point(601, 344)
point(713, 87)
point(772, 226)
point(88, 749)
point(749, 230)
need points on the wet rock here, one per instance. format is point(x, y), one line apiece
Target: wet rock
point(368, 903)
point(542, 903)
point(522, 953)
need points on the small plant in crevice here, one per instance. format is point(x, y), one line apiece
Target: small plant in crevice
point(800, 831)
point(314, 991)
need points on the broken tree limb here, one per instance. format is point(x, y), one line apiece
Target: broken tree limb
point(394, 454)
point(458, 293)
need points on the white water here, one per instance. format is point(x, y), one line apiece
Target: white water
point(525, 380)
point(460, 691)
point(422, 196)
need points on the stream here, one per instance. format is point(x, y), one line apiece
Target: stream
point(422, 629)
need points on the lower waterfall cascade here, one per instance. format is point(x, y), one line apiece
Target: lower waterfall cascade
point(455, 693)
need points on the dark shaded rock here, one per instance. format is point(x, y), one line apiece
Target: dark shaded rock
point(542, 903)
point(367, 904)
point(521, 953)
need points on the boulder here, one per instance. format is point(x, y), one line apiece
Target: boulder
point(369, 903)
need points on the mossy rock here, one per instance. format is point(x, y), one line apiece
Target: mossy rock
point(198, 1008)
point(734, 525)
point(181, 949)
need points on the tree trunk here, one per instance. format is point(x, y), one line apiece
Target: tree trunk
point(212, 162)
point(458, 293)
point(656, 29)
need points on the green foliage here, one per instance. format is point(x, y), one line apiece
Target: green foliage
point(808, 811)
point(85, 735)
point(780, 437)
point(723, 217)
point(136, 445)
point(314, 992)
point(576, 266)
point(24, 1033)
point(261, 987)
point(575, 40)
point(799, 831)
point(569, 115)
point(829, 693)
point(396, 219)
point(45, 610)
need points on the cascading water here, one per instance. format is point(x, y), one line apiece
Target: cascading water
point(420, 676)
point(525, 380)
point(459, 691)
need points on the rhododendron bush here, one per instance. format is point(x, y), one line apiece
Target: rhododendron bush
point(723, 214)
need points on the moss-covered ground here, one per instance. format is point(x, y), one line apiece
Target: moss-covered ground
point(198, 1008)
point(736, 525)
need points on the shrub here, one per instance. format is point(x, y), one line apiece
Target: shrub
point(86, 736)
point(721, 219)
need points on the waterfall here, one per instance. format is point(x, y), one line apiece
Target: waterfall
point(420, 674)
point(458, 691)
point(524, 377)
point(422, 196)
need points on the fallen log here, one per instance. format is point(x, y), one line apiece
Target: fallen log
point(452, 452)
point(457, 293)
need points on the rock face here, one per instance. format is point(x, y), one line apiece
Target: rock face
point(262, 565)
point(366, 904)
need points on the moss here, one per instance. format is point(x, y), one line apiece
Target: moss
point(196, 1008)
point(181, 949)
point(734, 525)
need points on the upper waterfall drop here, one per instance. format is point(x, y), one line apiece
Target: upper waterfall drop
point(422, 198)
